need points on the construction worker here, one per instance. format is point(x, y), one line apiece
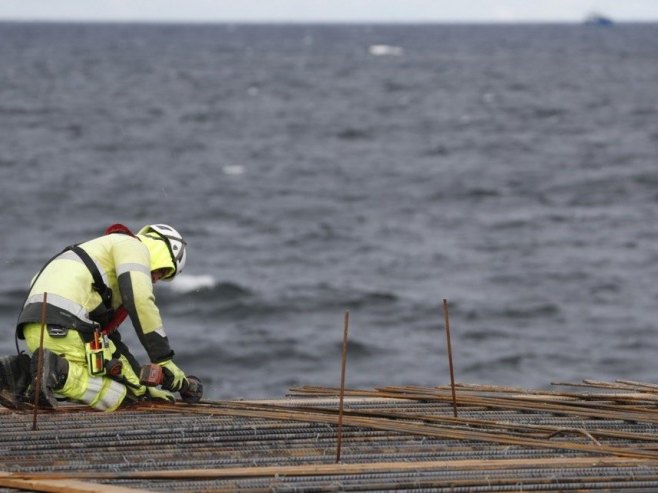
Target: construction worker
point(89, 289)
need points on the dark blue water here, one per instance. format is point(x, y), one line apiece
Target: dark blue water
point(378, 169)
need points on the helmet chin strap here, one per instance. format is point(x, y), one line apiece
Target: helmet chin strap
point(157, 236)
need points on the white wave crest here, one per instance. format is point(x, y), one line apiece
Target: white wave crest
point(233, 170)
point(188, 283)
point(385, 50)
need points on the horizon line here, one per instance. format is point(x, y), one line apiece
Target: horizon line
point(310, 22)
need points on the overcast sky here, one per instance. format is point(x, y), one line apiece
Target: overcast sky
point(327, 10)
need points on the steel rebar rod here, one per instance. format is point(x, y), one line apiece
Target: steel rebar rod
point(452, 371)
point(37, 379)
point(339, 432)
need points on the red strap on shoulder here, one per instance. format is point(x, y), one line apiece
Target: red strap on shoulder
point(118, 228)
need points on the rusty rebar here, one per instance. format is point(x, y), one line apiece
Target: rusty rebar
point(339, 437)
point(37, 377)
point(452, 371)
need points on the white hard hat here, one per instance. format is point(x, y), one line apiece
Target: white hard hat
point(175, 243)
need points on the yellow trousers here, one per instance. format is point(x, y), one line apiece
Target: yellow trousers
point(99, 392)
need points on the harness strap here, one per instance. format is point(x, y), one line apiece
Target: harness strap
point(99, 286)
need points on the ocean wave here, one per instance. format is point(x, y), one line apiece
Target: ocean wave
point(185, 283)
point(385, 50)
point(233, 170)
point(539, 310)
point(356, 349)
point(19, 110)
point(481, 192)
point(354, 134)
point(479, 335)
point(201, 297)
point(520, 310)
point(504, 362)
point(325, 298)
point(436, 150)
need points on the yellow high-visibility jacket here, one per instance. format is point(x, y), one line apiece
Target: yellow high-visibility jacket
point(124, 263)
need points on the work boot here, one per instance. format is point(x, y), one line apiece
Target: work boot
point(14, 379)
point(54, 372)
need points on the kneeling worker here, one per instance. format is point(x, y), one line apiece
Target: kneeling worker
point(90, 288)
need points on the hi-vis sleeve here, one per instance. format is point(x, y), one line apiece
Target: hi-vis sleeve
point(136, 290)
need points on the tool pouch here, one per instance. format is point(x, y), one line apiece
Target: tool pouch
point(98, 352)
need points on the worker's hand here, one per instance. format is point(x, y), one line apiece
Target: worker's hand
point(138, 390)
point(160, 395)
point(174, 376)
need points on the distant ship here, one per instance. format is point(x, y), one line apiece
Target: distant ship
point(595, 19)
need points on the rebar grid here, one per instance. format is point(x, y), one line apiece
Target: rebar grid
point(402, 438)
